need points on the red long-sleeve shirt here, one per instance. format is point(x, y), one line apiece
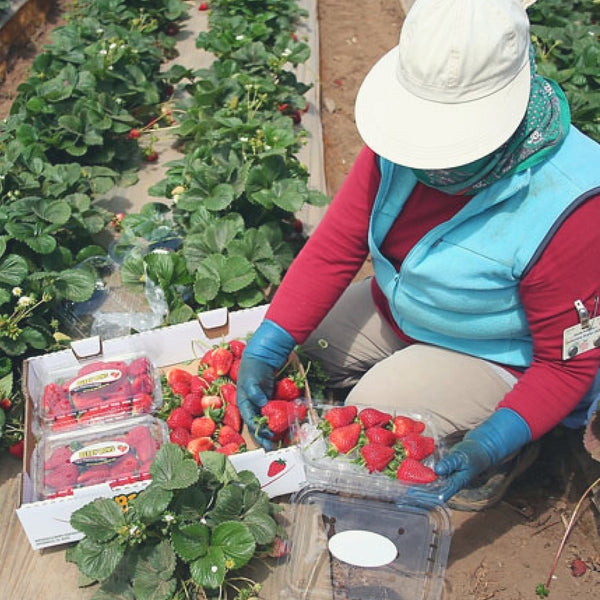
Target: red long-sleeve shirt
point(569, 269)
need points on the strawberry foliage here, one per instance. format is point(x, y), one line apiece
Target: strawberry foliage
point(183, 536)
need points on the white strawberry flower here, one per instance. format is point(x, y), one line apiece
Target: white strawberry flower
point(17, 291)
point(25, 301)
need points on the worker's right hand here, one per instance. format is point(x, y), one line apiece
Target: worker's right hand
point(265, 353)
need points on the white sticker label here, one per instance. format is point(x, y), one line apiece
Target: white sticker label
point(102, 452)
point(579, 339)
point(362, 548)
point(95, 380)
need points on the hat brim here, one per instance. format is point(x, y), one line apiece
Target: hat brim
point(422, 134)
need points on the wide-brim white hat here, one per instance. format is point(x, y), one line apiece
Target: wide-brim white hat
point(454, 89)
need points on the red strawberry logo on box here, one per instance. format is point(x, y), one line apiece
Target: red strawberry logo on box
point(276, 467)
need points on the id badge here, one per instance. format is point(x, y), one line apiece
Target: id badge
point(583, 337)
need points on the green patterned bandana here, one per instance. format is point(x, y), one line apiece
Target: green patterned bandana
point(545, 124)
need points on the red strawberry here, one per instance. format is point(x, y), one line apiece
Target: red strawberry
point(276, 413)
point(5, 404)
point(60, 456)
point(133, 134)
point(417, 446)
point(578, 568)
point(221, 360)
point(209, 374)
point(125, 466)
point(377, 456)
point(235, 368)
point(206, 359)
point(203, 427)
point(370, 417)
point(93, 475)
point(151, 156)
point(232, 417)
point(228, 435)
point(176, 374)
point(142, 384)
point(237, 347)
point(142, 403)
point(203, 6)
point(229, 449)
point(180, 388)
point(140, 366)
point(380, 435)
point(192, 403)
point(296, 411)
point(180, 436)
point(402, 426)
point(180, 418)
point(276, 466)
point(198, 445)
point(211, 402)
point(228, 392)
point(414, 471)
point(63, 477)
point(141, 440)
point(198, 385)
point(341, 415)
point(287, 389)
point(16, 449)
point(344, 439)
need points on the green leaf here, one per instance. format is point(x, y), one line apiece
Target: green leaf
point(57, 212)
point(2, 422)
point(99, 559)
point(191, 503)
point(5, 296)
point(220, 197)
point(237, 274)
point(6, 385)
point(220, 466)
point(258, 519)
point(228, 506)
point(75, 284)
point(172, 470)
point(235, 540)
point(13, 347)
point(13, 269)
point(133, 271)
point(190, 541)
point(209, 571)
point(34, 338)
point(151, 503)
point(180, 314)
point(206, 285)
point(42, 244)
point(249, 297)
point(152, 578)
point(100, 520)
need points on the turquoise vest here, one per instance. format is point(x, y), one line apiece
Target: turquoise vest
point(459, 285)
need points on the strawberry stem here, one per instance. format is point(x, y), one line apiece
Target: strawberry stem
point(568, 531)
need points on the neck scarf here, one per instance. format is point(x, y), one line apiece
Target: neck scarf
point(544, 126)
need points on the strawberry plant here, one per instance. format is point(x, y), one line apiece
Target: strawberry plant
point(566, 36)
point(184, 536)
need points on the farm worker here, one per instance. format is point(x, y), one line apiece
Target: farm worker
point(479, 204)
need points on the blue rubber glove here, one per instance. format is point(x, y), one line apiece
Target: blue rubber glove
point(265, 353)
point(499, 436)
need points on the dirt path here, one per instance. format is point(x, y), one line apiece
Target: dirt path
point(503, 553)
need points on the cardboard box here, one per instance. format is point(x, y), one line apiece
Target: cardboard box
point(47, 522)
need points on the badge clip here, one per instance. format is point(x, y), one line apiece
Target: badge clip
point(582, 312)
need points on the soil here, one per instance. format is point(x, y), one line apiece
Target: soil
point(505, 551)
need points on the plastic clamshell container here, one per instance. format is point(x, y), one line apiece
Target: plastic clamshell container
point(120, 452)
point(97, 391)
point(356, 535)
point(356, 547)
point(343, 473)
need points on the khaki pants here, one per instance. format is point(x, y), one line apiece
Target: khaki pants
point(358, 349)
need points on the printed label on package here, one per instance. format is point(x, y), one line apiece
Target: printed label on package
point(102, 452)
point(94, 381)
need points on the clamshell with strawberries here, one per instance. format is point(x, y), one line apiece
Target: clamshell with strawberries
point(97, 391)
point(118, 452)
